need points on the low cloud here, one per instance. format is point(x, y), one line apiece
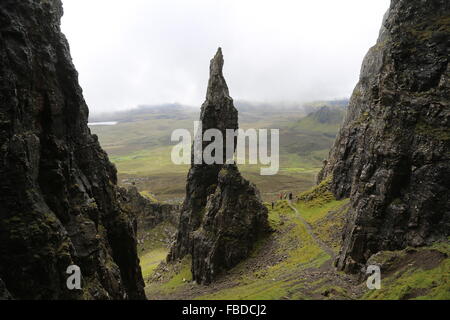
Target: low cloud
point(150, 52)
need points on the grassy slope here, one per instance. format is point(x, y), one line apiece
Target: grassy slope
point(291, 265)
point(287, 265)
point(291, 251)
point(153, 247)
point(418, 278)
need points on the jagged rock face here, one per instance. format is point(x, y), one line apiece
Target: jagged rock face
point(214, 202)
point(392, 156)
point(235, 219)
point(148, 214)
point(58, 197)
point(218, 112)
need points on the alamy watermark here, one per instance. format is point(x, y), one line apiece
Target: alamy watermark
point(374, 280)
point(74, 280)
point(234, 145)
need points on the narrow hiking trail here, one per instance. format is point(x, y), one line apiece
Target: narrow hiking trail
point(310, 231)
point(293, 263)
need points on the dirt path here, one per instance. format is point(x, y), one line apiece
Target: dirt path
point(316, 283)
point(310, 231)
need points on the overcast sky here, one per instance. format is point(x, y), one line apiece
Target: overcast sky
point(137, 52)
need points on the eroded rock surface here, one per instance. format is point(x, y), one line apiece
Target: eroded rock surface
point(58, 195)
point(392, 156)
point(235, 219)
point(222, 215)
point(149, 214)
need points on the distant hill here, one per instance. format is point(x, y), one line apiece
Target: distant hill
point(248, 111)
point(313, 135)
point(327, 115)
point(325, 120)
point(139, 144)
point(148, 112)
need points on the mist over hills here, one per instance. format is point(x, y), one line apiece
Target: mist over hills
point(249, 111)
point(312, 136)
point(147, 112)
point(140, 146)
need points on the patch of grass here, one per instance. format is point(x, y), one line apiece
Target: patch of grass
point(315, 204)
point(177, 280)
point(313, 214)
point(333, 292)
point(426, 30)
point(274, 216)
point(175, 277)
point(431, 131)
point(305, 250)
point(329, 228)
point(150, 261)
point(156, 238)
point(153, 248)
point(148, 162)
point(416, 283)
point(318, 193)
point(147, 194)
point(282, 279)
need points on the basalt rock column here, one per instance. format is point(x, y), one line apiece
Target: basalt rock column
point(218, 112)
point(58, 196)
point(234, 220)
point(215, 197)
point(392, 156)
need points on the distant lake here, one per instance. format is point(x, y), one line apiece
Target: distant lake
point(113, 123)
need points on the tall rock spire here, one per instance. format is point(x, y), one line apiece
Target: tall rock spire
point(218, 111)
point(217, 86)
point(222, 215)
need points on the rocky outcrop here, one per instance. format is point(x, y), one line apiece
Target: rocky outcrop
point(222, 215)
point(392, 156)
point(58, 196)
point(327, 115)
point(149, 214)
point(234, 220)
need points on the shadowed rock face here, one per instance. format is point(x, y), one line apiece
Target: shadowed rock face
point(392, 156)
point(234, 220)
point(222, 214)
point(148, 214)
point(58, 196)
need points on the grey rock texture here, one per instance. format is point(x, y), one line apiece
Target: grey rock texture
point(392, 155)
point(147, 213)
point(222, 214)
point(234, 220)
point(58, 194)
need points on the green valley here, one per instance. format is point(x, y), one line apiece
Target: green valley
point(140, 147)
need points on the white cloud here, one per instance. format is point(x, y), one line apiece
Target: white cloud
point(156, 51)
